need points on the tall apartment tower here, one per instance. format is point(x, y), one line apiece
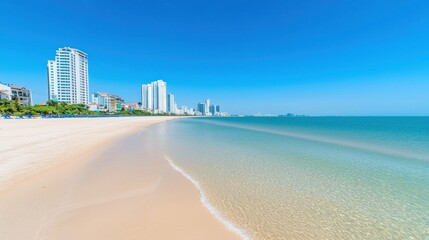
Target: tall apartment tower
point(147, 97)
point(160, 88)
point(68, 76)
point(171, 104)
point(207, 107)
point(154, 96)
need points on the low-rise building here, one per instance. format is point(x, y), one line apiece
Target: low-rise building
point(22, 94)
point(107, 102)
point(101, 99)
point(18, 93)
point(116, 103)
point(132, 106)
point(93, 107)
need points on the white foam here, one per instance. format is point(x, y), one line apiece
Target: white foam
point(231, 226)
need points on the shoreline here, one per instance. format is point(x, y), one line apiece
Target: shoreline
point(61, 200)
point(206, 203)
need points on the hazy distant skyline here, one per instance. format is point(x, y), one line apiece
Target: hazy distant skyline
point(306, 57)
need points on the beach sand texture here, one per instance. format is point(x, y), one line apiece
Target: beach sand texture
point(94, 179)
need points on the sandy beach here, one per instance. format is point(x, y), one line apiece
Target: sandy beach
point(93, 179)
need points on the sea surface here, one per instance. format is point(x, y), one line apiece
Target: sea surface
point(307, 177)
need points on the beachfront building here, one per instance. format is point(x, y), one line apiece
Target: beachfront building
point(154, 96)
point(17, 93)
point(68, 76)
point(106, 102)
point(22, 95)
point(101, 99)
point(116, 104)
point(147, 97)
point(132, 106)
point(93, 107)
point(5, 92)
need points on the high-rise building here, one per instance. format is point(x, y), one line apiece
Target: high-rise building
point(154, 96)
point(68, 76)
point(207, 107)
point(171, 104)
point(147, 97)
point(214, 110)
point(201, 108)
point(161, 100)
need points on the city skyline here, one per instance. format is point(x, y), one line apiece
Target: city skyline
point(278, 57)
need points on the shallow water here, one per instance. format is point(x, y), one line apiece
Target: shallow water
point(309, 178)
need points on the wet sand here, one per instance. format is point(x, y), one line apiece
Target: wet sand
point(120, 188)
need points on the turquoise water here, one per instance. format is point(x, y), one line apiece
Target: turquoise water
point(309, 178)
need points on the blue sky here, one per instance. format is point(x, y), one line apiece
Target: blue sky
point(326, 57)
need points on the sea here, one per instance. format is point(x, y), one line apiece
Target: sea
point(306, 177)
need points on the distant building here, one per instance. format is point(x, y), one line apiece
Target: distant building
point(214, 110)
point(176, 109)
point(116, 103)
point(102, 99)
point(93, 107)
point(107, 102)
point(201, 108)
point(132, 106)
point(68, 76)
point(171, 104)
point(207, 107)
point(154, 96)
point(188, 111)
point(147, 97)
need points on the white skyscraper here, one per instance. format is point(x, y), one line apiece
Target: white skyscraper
point(68, 76)
point(162, 95)
point(207, 107)
point(154, 96)
point(147, 97)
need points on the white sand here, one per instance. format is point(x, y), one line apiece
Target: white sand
point(53, 185)
point(28, 146)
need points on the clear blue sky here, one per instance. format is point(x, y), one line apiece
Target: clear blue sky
point(344, 57)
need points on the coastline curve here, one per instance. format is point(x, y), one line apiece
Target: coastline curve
point(203, 198)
